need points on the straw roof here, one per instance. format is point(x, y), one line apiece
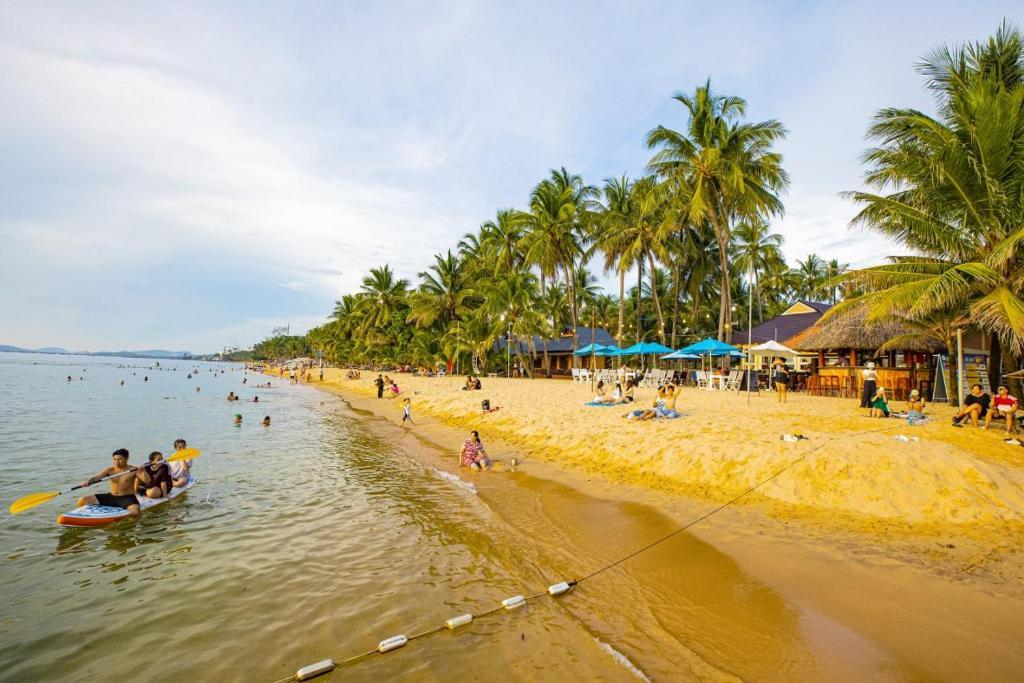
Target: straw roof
point(850, 331)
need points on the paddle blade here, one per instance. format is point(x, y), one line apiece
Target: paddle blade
point(30, 501)
point(185, 454)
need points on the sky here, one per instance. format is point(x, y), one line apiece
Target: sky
point(189, 176)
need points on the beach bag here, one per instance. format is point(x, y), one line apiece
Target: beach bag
point(485, 405)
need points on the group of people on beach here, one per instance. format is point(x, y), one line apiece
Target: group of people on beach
point(617, 396)
point(155, 479)
point(979, 405)
point(664, 404)
point(385, 383)
point(472, 384)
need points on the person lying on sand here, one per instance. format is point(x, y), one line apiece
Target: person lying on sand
point(160, 482)
point(473, 453)
point(122, 489)
point(975, 406)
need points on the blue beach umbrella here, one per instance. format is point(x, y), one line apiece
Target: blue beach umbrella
point(710, 347)
point(679, 355)
point(610, 350)
point(590, 350)
point(644, 348)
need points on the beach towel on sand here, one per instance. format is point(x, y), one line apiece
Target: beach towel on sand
point(599, 404)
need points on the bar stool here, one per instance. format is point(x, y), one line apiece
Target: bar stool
point(902, 389)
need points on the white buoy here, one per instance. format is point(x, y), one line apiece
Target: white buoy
point(558, 588)
point(513, 602)
point(392, 643)
point(458, 621)
point(314, 670)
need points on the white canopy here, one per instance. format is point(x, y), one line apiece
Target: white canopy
point(772, 347)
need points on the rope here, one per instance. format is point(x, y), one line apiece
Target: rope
point(633, 554)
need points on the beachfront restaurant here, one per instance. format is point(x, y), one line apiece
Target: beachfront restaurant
point(560, 350)
point(785, 328)
point(844, 347)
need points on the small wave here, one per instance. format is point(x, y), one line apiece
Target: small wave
point(622, 660)
point(455, 479)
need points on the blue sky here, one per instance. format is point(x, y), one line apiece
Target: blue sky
point(188, 176)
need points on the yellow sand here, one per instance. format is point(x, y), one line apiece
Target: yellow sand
point(854, 472)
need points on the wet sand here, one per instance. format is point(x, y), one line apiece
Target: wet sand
point(760, 591)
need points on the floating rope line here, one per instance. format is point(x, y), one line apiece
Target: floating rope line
point(395, 642)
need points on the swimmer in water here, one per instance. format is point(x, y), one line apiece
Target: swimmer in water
point(238, 419)
point(266, 421)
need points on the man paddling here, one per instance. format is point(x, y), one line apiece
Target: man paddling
point(122, 488)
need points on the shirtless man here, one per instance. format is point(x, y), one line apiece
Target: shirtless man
point(122, 488)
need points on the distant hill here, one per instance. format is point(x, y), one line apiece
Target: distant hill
point(148, 353)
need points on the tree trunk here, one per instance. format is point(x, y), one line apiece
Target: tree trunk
point(622, 306)
point(544, 340)
point(725, 301)
point(675, 304)
point(570, 280)
point(995, 361)
point(639, 291)
point(952, 392)
point(654, 297)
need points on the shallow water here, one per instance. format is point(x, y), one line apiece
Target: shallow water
point(333, 530)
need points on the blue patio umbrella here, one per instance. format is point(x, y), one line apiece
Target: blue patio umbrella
point(610, 350)
point(590, 350)
point(679, 355)
point(644, 348)
point(709, 347)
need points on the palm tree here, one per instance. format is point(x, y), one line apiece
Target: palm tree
point(502, 237)
point(756, 248)
point(443, 293)
point(720, 170)
point(610, 240)
point(834, 270)
point(812, 275)
point(638, 229)
point(384, 295)
point(950, 189)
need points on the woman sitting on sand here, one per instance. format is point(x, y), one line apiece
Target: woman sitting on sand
point(473, 453)
point(601, 394)
point(666, 403)
point(879, 406)
point(915, 407)
point(627, 397)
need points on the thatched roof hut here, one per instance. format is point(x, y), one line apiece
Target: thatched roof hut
point(851, 331)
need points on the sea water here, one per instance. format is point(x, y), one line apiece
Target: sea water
point(315, 537)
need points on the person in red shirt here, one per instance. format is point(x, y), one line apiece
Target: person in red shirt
point(1004, 405)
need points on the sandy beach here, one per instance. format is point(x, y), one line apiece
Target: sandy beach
point(858, 472)
point(865, 533)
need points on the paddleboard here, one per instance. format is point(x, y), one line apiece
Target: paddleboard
point(100, 515)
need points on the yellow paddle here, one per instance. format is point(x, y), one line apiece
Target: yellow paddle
point(33, 499)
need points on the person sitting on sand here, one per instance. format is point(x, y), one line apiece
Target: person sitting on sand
point(393, 390)
point(879, 406)
point(473, 453)
point(915, 406)
point(181, 471)
point(266, 420)
point(160, 481)
point(1005, 406)
point(122, 488)
point(476, 384)
point(975, 407)
point(627, 396)
point(468, 386)
point(666, 403)
point(601, 394)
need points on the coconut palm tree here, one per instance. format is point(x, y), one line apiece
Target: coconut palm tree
point(502, 236)
point(950, 189)
point(756, 248)
point(443, 293)
point(720, 170)
point(384, 295)
point(610, 240)
point(811, 274)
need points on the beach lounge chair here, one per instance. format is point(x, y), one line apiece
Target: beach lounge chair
point(575, 374)
point(734, 381)
point(702, 379)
